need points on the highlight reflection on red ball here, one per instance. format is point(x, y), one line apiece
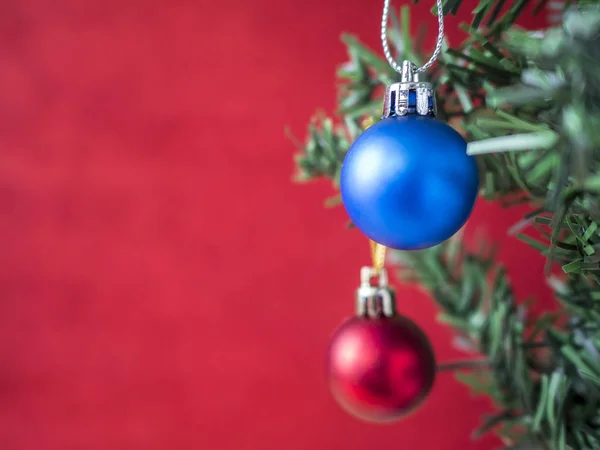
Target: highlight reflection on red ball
point(380, 369)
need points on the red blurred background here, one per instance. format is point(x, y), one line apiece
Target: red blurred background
point(163, 283)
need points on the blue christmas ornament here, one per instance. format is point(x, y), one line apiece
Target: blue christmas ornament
point(407, 181)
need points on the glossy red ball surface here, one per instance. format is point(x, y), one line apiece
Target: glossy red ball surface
point(380, 369)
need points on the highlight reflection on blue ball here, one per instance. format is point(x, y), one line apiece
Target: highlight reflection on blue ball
point(408, 183)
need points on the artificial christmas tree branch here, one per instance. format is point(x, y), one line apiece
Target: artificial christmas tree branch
point(534, 388)
point(529, 104)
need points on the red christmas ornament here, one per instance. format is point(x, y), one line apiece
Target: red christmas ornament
point(380, 364)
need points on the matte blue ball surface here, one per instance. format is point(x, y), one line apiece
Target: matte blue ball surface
point(408, 183)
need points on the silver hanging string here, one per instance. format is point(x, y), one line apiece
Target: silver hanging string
point(386, 48)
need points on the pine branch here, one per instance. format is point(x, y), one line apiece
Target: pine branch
point(552, 397)
point(324, 150)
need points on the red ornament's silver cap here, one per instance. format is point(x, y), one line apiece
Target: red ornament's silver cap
point(375, 300)
point(410, 96)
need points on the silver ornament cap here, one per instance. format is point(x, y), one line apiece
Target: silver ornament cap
point(410, 96)
point(375, 300)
